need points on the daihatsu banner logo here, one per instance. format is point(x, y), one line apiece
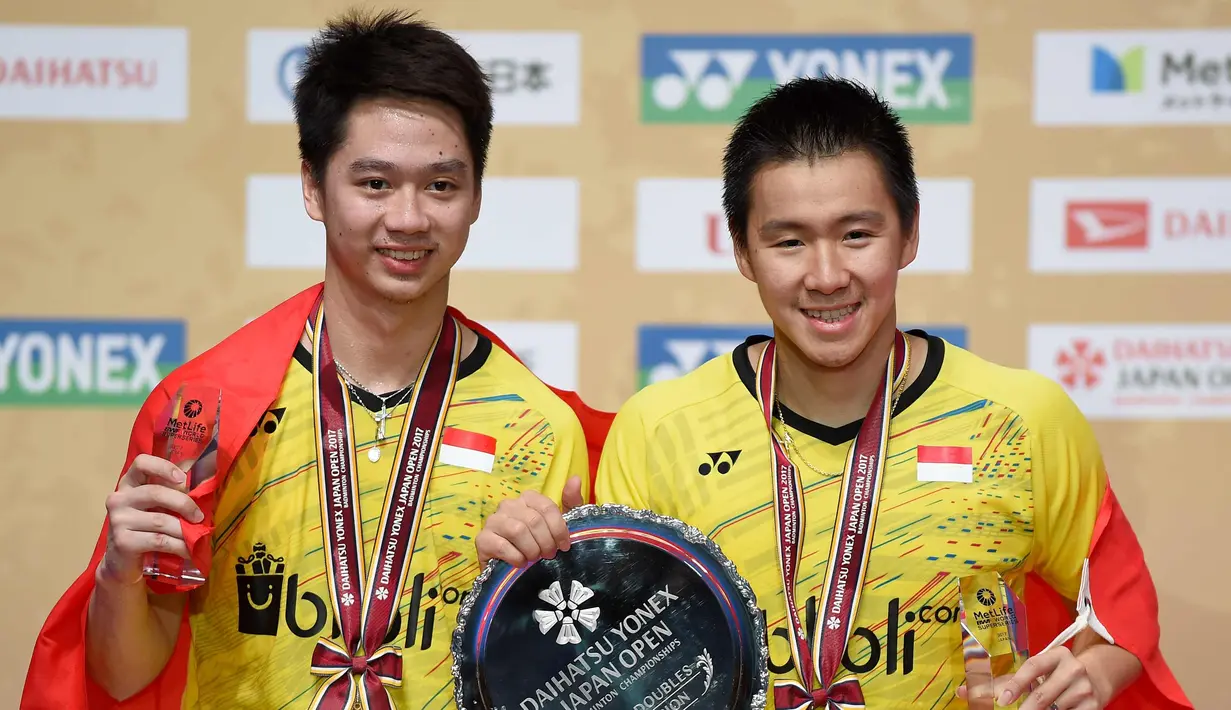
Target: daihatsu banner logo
point(1121, 225)
point(50, 72)
point(1138, 371)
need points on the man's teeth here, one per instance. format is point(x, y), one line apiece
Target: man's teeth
point(403, 255)
point(832, 316)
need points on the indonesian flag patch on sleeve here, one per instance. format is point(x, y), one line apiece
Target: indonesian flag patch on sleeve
point(948, 464)
point(467, 449)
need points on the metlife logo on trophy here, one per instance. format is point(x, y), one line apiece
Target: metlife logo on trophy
point(535, 76)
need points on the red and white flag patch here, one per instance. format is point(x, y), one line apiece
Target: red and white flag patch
point(948, 464)
point(467, 449)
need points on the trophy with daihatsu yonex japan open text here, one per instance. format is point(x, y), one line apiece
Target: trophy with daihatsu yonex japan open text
point(186, 434)
point(641, 612)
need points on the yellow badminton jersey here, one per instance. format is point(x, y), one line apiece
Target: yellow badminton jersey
point(696, 448)
point(255, 623)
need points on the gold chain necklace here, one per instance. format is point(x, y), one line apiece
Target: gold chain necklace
point(786, 430)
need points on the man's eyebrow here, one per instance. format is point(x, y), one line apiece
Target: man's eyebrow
point(783, 225)
point(376, 165)
point(450, 166)
point(873, 216)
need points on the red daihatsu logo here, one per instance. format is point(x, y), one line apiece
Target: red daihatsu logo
point(1107, 225)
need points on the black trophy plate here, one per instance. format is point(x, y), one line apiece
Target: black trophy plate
point(642, 613)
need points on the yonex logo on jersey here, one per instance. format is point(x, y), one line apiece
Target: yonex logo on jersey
point(269, 423)
point(898, 650)
point(720, 461)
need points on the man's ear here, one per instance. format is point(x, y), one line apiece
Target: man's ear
point(313, 193)
point(477, 206)
point(742, 260)
point(910, 242)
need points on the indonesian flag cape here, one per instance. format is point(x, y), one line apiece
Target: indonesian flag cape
point(249, 366)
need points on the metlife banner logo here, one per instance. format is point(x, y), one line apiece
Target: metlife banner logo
point(536, 76)
point(714, 78)
point(1132, 77)
point(681, 226)
point(279, 234)
point(70, 362)
point(50, 72)
point(667, 351)
point(1131, 225)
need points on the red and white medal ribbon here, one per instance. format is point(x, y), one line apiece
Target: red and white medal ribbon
point(360, 667)
point(849, 550)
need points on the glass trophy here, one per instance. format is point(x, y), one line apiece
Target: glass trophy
point(186, 434)
point(994, 642)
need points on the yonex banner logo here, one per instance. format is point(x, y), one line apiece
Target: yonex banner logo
point(714, 78)
point(75, 362)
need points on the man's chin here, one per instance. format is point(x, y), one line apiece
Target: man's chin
point(828, 354)
point(402, 292)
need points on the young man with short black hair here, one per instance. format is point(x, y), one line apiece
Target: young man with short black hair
point(332, 586)
point(853, 473)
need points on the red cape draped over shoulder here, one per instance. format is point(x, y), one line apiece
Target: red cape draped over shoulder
point(249, 366)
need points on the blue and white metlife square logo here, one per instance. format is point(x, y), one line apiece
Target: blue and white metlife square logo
point(667, 351)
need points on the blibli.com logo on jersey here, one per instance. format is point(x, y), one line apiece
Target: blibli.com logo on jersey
point(269, 602)
point(86, 362)
point(866, 651)
point(715, 78)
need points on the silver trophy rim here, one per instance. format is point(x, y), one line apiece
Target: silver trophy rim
point(760, 681)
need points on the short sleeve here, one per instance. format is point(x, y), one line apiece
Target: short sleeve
point(570, 459)
point(1069, 481)
point(621, 477)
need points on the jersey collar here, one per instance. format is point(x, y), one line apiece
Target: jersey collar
point(845, 433)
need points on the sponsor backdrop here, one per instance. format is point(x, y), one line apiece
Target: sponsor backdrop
point(1076, 219)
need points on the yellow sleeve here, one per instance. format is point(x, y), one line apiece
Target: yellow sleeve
point(570, 458)
point(1069, 480)
point(623, 468)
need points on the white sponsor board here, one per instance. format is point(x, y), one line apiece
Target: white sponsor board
point(62, 72)
point(535, 76)
point(525, 224)
point(681, 226)
point(1136, 371)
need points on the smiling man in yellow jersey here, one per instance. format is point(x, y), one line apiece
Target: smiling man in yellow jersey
point(967, 465)
point(367, 431)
